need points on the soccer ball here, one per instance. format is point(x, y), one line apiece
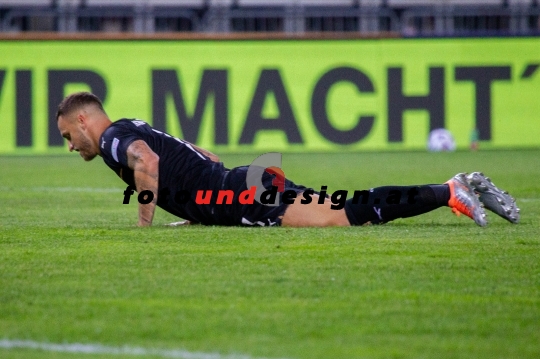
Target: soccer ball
point(441, 140)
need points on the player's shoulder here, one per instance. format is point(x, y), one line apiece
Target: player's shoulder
point(119, 135)
point(124, 126)
point(128, 123)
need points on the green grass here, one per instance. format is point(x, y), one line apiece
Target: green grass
point(75, 269)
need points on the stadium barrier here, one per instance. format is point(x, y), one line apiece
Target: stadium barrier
point(247, 94)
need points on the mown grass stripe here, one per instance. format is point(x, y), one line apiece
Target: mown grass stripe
point(79, 348)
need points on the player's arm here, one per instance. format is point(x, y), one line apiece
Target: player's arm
point(207, 153)
point(145, 165)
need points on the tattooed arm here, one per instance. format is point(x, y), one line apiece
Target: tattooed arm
point(145, 165)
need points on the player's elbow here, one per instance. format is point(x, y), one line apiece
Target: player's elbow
point(148, 163)
point(214, 158)
point(153, 159)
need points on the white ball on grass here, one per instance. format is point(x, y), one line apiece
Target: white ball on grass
point(441, 140)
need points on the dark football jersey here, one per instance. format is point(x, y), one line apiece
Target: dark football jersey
point(182, 169)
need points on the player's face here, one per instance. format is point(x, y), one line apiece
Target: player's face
point(77, 138)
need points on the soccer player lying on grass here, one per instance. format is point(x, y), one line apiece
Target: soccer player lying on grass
point(150, 160)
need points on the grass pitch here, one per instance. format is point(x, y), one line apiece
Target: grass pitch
point(75, 269)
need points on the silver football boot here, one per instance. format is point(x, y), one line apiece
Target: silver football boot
point(493, 198)
point(464, 200)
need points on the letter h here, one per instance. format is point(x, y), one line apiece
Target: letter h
point(398, 103)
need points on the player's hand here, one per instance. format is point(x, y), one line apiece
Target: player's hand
point(178, 224)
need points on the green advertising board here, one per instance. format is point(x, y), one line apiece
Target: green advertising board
point(282, 95)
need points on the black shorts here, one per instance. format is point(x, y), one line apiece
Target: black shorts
point(255, 214)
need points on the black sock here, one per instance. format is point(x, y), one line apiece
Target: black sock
point(383, 204)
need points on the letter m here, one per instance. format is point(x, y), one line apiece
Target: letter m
point(213, 83)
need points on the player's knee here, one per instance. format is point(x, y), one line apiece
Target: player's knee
point(314, 215)
point(339, 218)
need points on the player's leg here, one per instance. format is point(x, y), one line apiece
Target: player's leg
point(313, 214)
point(383, 204)
point(376, 206)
